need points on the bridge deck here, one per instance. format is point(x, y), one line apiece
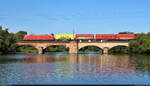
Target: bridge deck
point(71, 41)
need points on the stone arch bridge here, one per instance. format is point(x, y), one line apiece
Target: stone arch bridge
point(73, 46)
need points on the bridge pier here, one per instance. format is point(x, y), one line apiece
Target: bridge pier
point(73, 47)
point(41, 50)
point(105, 50)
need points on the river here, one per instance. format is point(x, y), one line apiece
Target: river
point(64, 68)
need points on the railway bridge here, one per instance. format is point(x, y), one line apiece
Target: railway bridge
point(73, 46)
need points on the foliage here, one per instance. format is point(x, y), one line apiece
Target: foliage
point(125, 33)
point(56, 49)
point(63, 39)
point(141, 44)
point(119, 50)
point(20, 35)
point(90, 49)
point(52, 34)
point(26, 49)
point(7, 41)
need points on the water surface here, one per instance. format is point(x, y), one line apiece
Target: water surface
point(64, 68)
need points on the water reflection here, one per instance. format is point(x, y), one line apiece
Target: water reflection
point(105, 63)
point(39, 58)
point(65, 67)
point(74, 68)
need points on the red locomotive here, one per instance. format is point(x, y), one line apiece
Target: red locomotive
point(38, 37)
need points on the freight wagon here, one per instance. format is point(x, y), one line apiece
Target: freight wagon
point(64, 37)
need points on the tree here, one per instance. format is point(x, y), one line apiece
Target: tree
point(119, 50)
point(7, 41)
point(125, 33)
point(141, 44)
point(0, 27)
point(52, 34)
point(20, 35)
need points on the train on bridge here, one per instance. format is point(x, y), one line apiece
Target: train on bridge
point(81, 37)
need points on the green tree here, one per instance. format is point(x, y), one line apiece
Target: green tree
point(90, 49)
point(56, 49)
point(119, 50)
point(125, 33)
point(141, 44)
point(20, 35)
point(7, 41)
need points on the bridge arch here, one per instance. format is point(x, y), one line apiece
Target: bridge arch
point(85, 45)
point(105, 46)
point(56, 48)
point(26, 48)
point(90, 48)
point(118, 49)
point(117, 46)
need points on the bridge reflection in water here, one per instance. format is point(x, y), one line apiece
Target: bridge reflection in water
point(53, 67)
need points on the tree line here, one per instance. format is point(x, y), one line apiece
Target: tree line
point(8, 40)
point(8, 44)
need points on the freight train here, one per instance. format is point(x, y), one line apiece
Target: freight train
point(81, 37)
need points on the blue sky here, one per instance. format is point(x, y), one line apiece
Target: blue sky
point(85, 16)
